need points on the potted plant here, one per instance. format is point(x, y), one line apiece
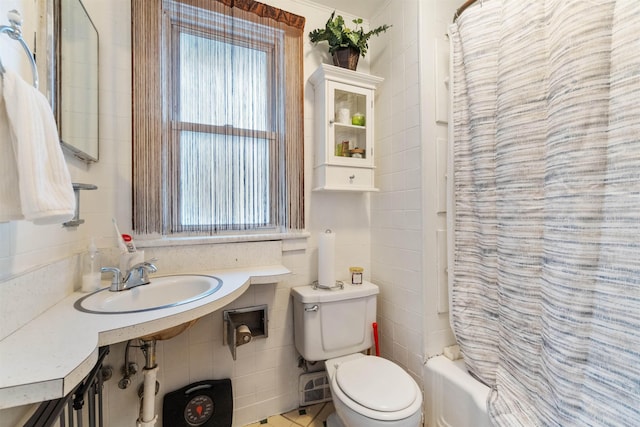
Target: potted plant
point(346, 45)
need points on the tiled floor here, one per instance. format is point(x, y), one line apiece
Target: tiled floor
point(310, 416)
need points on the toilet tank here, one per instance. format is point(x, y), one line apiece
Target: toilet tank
point(332, 323)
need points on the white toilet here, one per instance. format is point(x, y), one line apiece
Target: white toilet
point(336, 326)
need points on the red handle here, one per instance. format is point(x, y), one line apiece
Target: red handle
point(375, 338)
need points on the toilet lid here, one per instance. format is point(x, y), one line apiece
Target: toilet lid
point(376, 383)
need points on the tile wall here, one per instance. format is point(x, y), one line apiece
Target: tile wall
point(397, 221)
point(434, 19)
point(407, 258)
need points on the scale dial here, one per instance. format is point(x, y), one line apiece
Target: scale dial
point(198, 410)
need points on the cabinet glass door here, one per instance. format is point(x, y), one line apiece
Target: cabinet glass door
point(349, 137)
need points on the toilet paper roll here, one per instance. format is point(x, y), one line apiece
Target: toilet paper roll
point(243, 335)
point(327, 259)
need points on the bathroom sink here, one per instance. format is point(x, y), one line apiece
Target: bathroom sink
point(162, 292)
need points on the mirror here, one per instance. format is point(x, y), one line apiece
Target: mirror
point(72, 76)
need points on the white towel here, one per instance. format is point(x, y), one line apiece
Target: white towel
point(9, 191)
point(35, 182)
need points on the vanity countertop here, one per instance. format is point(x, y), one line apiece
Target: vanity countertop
point(49, 356)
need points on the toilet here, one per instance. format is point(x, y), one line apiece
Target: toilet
point(335, 326)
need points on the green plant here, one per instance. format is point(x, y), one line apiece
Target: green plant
point(339, 36)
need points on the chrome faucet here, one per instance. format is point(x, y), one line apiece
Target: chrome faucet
point(136, 276)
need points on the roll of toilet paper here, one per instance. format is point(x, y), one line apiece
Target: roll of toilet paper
point(243, 335)
point(327, 259)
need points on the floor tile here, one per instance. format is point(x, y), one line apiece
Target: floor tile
point(326, 410)
point(275, 421)
point(304, 416)
point(280, 421)
point(310, 416)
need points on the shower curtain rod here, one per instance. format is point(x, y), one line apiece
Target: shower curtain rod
point(463, 8)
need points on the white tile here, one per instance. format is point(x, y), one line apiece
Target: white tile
point(201, 362)
point(244, 386)
point(265, 383)
point(245, 360)
point(266, 359)
point(400, 354)
point(223, 364)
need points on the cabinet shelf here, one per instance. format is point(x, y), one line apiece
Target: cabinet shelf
point(348, 126)
point(339, 95)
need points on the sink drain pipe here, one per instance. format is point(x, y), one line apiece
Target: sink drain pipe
point(148, 415)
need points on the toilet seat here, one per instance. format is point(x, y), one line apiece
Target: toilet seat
point(381, 376)
point(363, 384)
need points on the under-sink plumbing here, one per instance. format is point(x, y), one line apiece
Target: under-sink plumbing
point(148, 415)
point(304, 364)
point(129, 369)
point(150, 386)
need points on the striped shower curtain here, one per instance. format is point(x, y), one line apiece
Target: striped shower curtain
point(545, 218)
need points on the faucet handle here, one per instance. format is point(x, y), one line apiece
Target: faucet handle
point(146, 265)
point(116, 280)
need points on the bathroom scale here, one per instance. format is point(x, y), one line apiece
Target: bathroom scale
point(205, 403)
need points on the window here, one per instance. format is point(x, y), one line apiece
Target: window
point(217, 119)
point(223, 122)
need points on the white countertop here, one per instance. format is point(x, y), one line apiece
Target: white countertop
point(49, 356)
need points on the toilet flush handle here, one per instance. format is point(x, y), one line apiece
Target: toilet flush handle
point(312, 308)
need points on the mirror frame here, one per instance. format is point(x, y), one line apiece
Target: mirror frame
point(51, 70)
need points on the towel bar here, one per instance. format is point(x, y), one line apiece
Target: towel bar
point(76, 221)
point(15, 32)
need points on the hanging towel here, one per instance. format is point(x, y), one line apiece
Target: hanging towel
point(9, 192)
point(31, 158)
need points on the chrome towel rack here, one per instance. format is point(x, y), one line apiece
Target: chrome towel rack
point(14, 30)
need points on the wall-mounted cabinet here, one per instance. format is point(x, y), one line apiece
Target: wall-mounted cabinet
point(344, 157)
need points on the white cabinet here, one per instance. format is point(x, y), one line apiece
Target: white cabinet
point(344, 157)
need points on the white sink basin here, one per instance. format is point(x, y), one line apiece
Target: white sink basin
point(162, 292)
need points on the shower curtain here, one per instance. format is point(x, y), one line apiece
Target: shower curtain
point(545, 218)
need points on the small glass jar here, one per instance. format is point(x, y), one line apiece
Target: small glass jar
point(356, 275)
point(357, 119)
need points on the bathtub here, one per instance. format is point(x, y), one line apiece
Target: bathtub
point(456, 399)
